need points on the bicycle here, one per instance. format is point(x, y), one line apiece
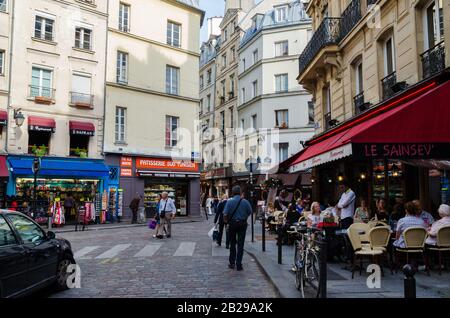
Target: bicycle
point(306, 259)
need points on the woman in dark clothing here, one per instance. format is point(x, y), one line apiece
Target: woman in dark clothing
point(219, 219)
point(290, 218)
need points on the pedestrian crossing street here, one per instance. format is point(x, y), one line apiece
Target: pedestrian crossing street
point(183, 249)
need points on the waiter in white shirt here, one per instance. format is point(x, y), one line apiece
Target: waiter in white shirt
point(346, 205)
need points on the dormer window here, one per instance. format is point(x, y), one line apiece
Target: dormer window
point(281, 14)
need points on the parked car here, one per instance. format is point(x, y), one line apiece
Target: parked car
point(30, 258)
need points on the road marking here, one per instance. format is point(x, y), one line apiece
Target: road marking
point(85, 250)
point(115, 260)
point(185, 249)
point(148, 250)
point(105, 261)
point(219, 250)
point(114, 251)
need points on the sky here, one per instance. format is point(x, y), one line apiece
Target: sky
point(212, 8)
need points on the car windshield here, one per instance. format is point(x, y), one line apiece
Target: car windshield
point(28, 231)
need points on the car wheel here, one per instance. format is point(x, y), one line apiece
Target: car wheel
point(62, 274)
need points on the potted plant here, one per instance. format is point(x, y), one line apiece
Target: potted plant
point(39, 151)
point(82, 153)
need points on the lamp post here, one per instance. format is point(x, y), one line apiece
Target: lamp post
point(35, 168)
point(251, 164)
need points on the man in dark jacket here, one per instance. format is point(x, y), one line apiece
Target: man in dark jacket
point(219, 219)
point(134, 206)
point(236, 212)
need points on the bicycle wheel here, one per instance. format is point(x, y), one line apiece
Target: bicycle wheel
point(298, 266)
point(312, 269)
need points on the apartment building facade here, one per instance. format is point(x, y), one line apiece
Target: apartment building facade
point(365, 60)
point(271, 105)
point(152, 101)
point(52, 84)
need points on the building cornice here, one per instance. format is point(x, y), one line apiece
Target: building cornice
point(271, 95)
point(151, 92)
point(226, 71)
point(140, 38)
point(84, 6)
point(268, 61)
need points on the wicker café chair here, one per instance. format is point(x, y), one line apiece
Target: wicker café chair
point(414, 244)
point(360, 251)
point(379, 239)
point(443, 244)
point(362, 230)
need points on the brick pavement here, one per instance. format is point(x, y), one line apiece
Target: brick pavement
point(136, 265)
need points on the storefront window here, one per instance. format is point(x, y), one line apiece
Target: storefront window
point(49, 190)
point(178, 191)
point(388, 180)
point(379, 180)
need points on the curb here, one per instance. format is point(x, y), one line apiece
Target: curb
point(101, 228)
point(266, 274)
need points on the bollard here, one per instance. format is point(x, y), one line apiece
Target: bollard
point(409, 281)
point(263, 232)
point(280, 249)
point(323, 268)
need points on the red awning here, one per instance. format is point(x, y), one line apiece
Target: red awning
point(3, 168)
point(3, 117)
point(81, 128)
point(418, 127)
point(41, 124)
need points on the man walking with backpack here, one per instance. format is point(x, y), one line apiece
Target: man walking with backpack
point(166, 212)
point(236, 212)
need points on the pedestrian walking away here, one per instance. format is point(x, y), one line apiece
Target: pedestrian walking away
point(134, 206)
point(166, 213)
point(218, 219)
point(209, 203)
point(236, 212)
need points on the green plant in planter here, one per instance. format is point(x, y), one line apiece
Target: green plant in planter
point(39, 151)
point(82, 153)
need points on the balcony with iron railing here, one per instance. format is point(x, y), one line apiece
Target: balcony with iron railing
point(81, 100)
point(327, 34)
point(433, 60)
point(350, 17)
point(358, 101)
point(42, 94)
point(387, 83)
point(327, 120)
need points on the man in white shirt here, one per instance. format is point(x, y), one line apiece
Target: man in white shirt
point(346, 205)
point(166, 212)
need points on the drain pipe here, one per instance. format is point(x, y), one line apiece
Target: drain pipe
point(11, 43)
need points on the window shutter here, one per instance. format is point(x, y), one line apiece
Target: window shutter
point(81, 84)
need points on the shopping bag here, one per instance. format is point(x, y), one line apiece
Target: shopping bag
point(210, 233)
point(215, 235)
point(152, 224)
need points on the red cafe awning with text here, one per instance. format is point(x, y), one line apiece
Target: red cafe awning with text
point(416, 129)
point(41, 124)
point(81, 128)
point(3, 118)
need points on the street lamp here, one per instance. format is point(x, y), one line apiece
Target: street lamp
point(19, 117)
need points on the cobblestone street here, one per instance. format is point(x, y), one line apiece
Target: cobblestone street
point(128, 262)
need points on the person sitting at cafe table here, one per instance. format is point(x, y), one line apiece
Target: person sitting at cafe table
point(300, 206)
point(410, 220)
point(424, 215)
point(290, 217)
point(314, 217)
point(382, 213)
point(362, 212)
point(444, 213)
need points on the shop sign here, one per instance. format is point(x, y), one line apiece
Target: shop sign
point(126, 162)
point(82, 132)
point(403, 150)
point(126, 172)
point(41, 128)
point(166, 164)
point(328, 156)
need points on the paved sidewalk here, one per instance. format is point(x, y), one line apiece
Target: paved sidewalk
point(123, 224)
point(339, 283)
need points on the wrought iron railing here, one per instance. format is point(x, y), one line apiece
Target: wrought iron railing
point(350, 17)
point(327, 33)
point(82, 100)
point(370, 2)
point(42, 93)
point(358, 101)
point(433, 60)
point(327, 120)
point(387, 83)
